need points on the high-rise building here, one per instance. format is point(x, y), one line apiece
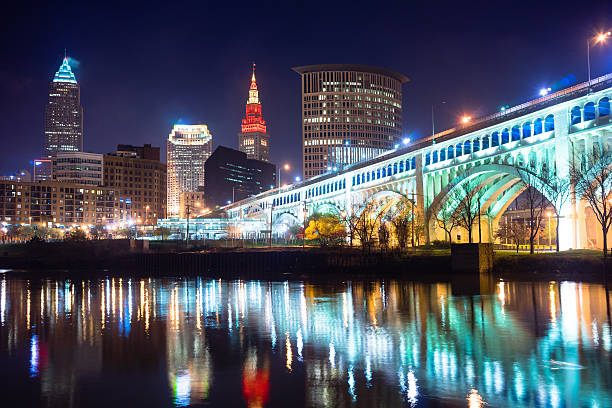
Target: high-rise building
point(231, 176)
point(63, 114)
point(187, 150)
point(350, 113)
point(145, 151)
point(142, 180)
point(78, 168)
point(253, 138)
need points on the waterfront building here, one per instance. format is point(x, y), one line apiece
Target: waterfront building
point(59, 204)
point(21, 175)
point(78, 168)
point(142, 180)
point(254, 139)
point(42, 169)
point(63, 114)
point(232, 176)
point(350, 113)
point(192, 203)
point(188, 147)
point(216, 228)
point(145, 151)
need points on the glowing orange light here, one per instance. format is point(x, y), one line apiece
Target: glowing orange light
point(286, 167)
point(601, 37)
point(466, 119)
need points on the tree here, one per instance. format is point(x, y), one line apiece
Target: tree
point(558, 190)
point(97, 232)
point(447, 221)
point(128, 232)
point(162, 232)
point(592, 179)
point(516, 232)
point(76, 235)
point(401, 221)
point(535, 200)
point(327, 229)
point(383, 236)
point(467, 196)
point(363, 222)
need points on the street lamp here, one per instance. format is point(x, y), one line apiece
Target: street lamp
point(287, 168)
point(465, 119)
point(599, 38)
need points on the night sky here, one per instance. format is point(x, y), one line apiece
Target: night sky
point(144, 67)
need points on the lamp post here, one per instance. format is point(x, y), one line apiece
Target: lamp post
point(600, 38)
point(433, 124)
point(287, 168)
point(305, 212)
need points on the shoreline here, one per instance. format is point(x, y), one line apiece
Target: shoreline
point(98, 259)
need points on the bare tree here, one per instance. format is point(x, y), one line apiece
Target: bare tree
point(401, 221)
point(363, 221)
point(535, 201)
point(516, 232)
point(594, 184)
point(468, 197)
point(447, 221)
point(558, 190)
point(383, 236)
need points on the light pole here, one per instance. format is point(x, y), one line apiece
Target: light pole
point(287, 168)
point(600, 38)
point(305, 212)
point(433, 124)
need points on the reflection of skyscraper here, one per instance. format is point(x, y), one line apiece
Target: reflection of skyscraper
point(188, 148)
point(63, 114)
point(254, 139)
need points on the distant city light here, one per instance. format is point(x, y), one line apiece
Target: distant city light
point(335, 168)
point(602, 36)
point(406, 140)
point(297, 179)
point(229, 201)
point(328, 168)
point(396, 146)
point(466, 119)
point(503, 108)
point(544, 91)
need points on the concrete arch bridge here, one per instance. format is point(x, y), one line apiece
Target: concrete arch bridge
point(547, 132)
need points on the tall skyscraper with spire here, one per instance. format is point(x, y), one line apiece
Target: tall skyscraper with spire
point(253, 138)
point(63, 113)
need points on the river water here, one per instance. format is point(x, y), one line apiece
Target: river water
point(163, 342)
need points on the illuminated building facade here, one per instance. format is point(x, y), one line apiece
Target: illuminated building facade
point(232, 176)
point(191, 203)
point(51, 203)
point(188, 148)
point(253, 138)
point(350, 113)
point(63, 114)
point(78, 168)
point(142, 180)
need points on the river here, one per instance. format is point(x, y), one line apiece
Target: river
point(173, 342)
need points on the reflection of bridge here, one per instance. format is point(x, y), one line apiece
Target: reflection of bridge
point(548, 131)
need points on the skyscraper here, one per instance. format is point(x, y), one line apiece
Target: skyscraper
point(253, 139)
point(63, 114)
point(350, 113)
point(188, 148)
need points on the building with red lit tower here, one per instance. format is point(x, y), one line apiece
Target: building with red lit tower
point(253, 138)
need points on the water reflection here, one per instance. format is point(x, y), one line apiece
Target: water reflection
point(374, 343)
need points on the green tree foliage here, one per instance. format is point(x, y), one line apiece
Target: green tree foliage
point(75, 235)
point(162, 232)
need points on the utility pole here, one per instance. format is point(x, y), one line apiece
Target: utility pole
point(271, 210)
point(412, 221)
point(188, 207)
point(304, 231)
point(479, 223)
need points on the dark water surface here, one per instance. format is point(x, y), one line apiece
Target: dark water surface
point(125, 342)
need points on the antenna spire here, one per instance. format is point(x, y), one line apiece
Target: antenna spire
point(65, 54)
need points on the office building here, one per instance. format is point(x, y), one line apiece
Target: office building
point(192, 203)
point(21, 175)
point(42, 169)
point(57, 204)
point(350, 113)
point(253, 138)
point(78, 168)
point(231, 176)
point(142, 180)
point(63, 114)
point(188, 148)
point(142, 152)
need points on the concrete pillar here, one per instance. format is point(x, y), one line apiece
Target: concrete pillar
point(568, 227)
point(420, 191)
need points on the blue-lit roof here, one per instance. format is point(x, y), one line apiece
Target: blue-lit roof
point(64, 73)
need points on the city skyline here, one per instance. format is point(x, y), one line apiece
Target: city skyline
point(121, 88)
